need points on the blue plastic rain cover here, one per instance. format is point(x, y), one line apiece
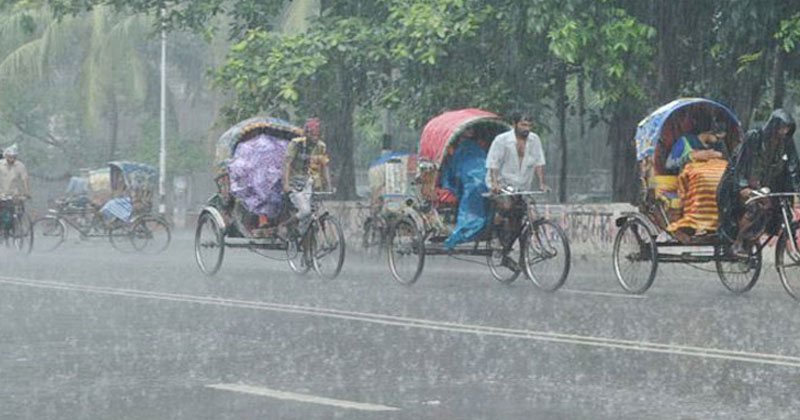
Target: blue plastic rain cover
point(464, 174)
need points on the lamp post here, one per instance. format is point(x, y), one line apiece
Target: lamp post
point(162, 155)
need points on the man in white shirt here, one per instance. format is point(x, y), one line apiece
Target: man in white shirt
point(513, 158)
point(14, 185)
point(14, 181)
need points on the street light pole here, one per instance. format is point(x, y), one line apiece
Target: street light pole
point(162, 155)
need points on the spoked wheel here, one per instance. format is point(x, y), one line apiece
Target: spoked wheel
point(504, 266)
point(787, 261)
point(546, 255)
point(372, 241)
point(296, 255)
point(406, 253)
point(737, 274)
point(635, 257)
point(327, 247)
point(209, 244)
point(120, 236)
point(49, 233)
point(22, 231)
point(150, 235)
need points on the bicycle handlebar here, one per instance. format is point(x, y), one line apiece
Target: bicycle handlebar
point(511, 194)
point(762, 196)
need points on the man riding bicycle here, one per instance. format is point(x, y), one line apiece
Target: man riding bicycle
point(766, 159)
point(513, 158)
point(305, 169)
point(14, 186)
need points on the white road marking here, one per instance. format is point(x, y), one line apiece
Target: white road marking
point(306, 398)
point(382, 319)
point(609, 294)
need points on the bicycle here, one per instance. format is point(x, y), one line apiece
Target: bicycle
point(787, 251)
point(16, 224)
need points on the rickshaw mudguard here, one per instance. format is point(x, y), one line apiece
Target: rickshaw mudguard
point(652, 229)
point(216, 215)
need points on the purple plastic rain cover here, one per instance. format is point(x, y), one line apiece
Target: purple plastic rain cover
point(255, 172)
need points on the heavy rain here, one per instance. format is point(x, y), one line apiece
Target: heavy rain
point(399, 209)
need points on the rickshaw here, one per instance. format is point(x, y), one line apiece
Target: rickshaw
point(390, 181)
point(249, 206)
point(541, 247)
point(117, 204)
point(643, 240)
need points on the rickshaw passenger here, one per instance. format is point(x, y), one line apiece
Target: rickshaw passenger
point(464, 176)
point(513, 158)
point(767, 158)
point(305, 169)
point(691, 147)
point(699, 161)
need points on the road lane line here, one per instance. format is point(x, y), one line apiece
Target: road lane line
point(610, 294)
point(376, 318)
point(306, 398)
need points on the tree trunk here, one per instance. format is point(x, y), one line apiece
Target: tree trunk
point(621, 132)
point(338, 130)
point(778, 83)
point(582, 102)
point(667, 64)
point(561, 111)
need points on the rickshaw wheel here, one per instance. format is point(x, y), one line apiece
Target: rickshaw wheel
point(494, 260)
point(150, 235)
point(635, 257)
point(22, 230)
point(121, 237)
point(785, 261)
point(406, 253)
point(209, 244)
point(49, 233)
point(546, 255)
point(327, 247)
point(737, 275)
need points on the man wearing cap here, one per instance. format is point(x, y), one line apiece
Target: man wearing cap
point(14, 185)
point(14, 181)
point(305, 169)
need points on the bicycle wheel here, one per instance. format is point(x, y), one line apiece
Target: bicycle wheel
point(209, 244)
point(546, 255)
point(327, 247)
point(49, 233)
point(406, 253)
point(635, 257)
point(508, 272)
point(788, 262)
point(150, 235)
point(737, 274)
point(22, 232)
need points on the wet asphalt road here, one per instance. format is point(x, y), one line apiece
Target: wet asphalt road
point(87, 332)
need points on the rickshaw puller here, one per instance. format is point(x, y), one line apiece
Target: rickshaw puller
point(305, 169)
point(767, 158)
point(14, 184)
point(513, 158)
